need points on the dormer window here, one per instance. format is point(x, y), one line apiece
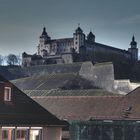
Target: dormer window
point(7, 93)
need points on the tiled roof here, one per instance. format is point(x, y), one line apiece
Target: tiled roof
point(130, 106)
point(96, 107)
point(22, 110)
point(44, 82)
point(57, 92)
point(81, 107)
point(64, 40)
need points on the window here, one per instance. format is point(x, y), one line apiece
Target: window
point(4, 134)
point(21, 134)
point(7, 94)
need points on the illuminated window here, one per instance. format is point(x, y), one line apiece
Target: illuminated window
point(21, 134)
point(7, 94)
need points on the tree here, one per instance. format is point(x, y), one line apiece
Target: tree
point(1, 59)
point(19, 60)
point(11, 59)
point(135, 74)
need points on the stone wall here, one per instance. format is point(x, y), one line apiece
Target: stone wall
point(67, 58)
point(42, 69)
point(124, 86)
point(102, 75)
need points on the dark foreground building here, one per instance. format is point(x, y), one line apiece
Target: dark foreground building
point(21, 118)
point(97, 117)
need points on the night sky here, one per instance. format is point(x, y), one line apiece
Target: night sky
point(112, 21)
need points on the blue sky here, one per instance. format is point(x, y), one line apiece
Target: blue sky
point(112, 21)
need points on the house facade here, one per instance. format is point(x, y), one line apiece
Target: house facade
point(21, 118)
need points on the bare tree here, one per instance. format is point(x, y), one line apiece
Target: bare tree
point(11, 59)
point(19, 59)
point(1, 59)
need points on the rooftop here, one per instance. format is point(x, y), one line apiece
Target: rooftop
point(22, 110)
point(96, 107)
point(81, 107)
point(69, 93)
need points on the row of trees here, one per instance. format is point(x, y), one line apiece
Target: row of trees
point(10, 59)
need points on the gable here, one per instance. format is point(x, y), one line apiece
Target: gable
point(22, 110)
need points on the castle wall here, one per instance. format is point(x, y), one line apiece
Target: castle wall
point(102, 75)
point(57, 46)
point(50, 69)
point(67, 58)
point(64, 45)
point(125, 86)
point(26, 61)
point(100, 48)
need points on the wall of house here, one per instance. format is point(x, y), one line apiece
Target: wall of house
point(0, 133)
point(52, 133)
point(105, 130)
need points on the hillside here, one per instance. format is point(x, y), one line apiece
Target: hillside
point(16, 72)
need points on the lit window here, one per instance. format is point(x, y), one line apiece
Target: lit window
point(21, 134)
point(7, 94)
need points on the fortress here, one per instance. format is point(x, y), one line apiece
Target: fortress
point(76, 48)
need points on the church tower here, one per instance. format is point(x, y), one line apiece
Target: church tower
point(78, 39)
point(133, 49)
point(42, 41)
point(91, 37)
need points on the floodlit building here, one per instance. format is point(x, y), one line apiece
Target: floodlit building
point(21, 118)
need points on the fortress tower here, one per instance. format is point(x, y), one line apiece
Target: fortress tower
point(91, 37)
point(42, 41)
point(133, 49)
point(78, 39)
